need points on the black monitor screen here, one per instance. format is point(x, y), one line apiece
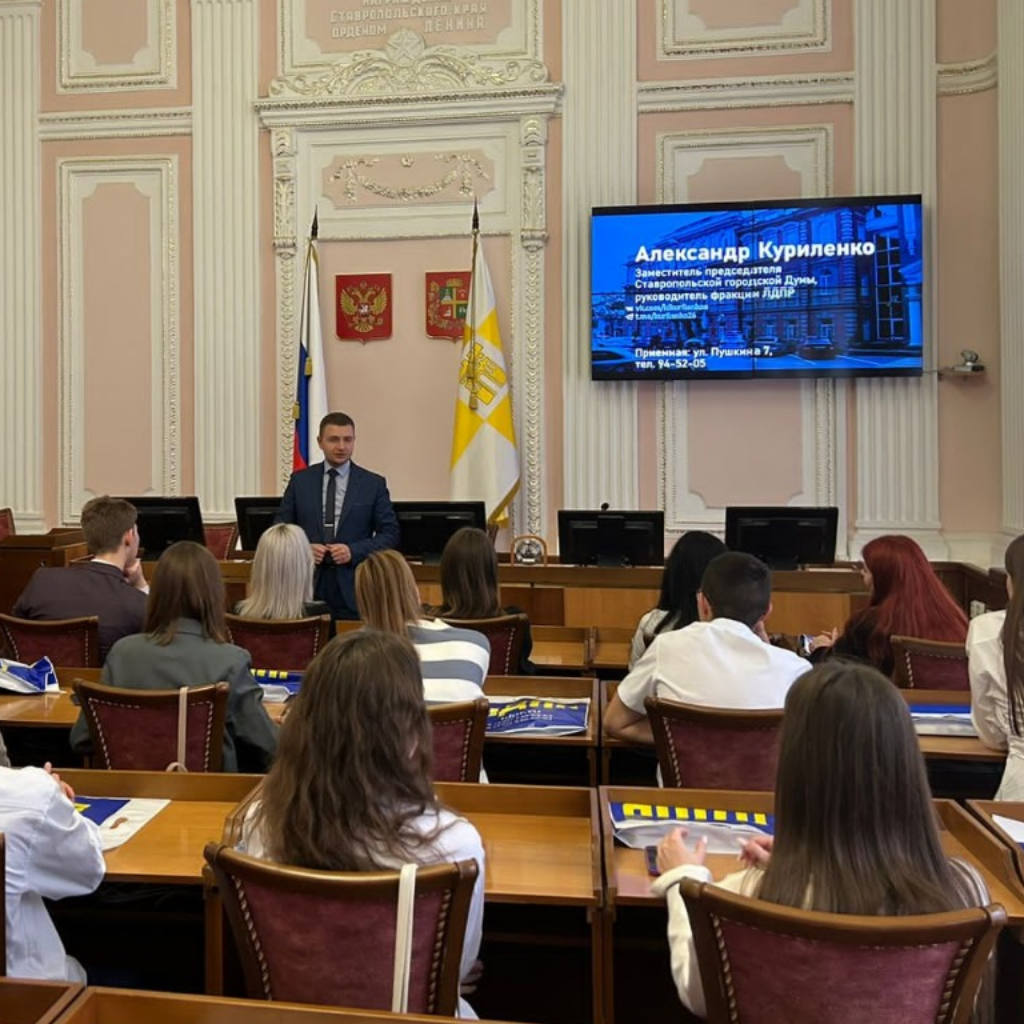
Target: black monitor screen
point(427, 525)
point(611, 538)
point(783, 537)
point(255, 516)
point(164, 520)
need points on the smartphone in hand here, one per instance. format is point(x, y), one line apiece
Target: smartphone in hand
point(651, 857)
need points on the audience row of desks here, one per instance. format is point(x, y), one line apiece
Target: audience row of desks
point(590, 753)
point(546, 847)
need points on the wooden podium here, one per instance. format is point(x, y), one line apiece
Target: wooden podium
point(21, 555)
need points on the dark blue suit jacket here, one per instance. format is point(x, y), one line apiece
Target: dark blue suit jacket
point(368, 523)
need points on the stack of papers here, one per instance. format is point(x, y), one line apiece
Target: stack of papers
point(538, 716)
point(119, 818)
point(942, 719)
point(277, 687)
point(639, 825)
point(37, 678)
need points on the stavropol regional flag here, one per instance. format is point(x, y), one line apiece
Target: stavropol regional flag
point(485, 463)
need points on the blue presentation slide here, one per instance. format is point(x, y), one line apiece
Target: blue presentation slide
point(777, 289)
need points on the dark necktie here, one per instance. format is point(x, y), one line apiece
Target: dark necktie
point(329, 502)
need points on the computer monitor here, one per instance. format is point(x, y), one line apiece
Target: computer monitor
point(254, 517)
point(607, 537)
point(783, 537)
point(165, 520)
point(426, 525)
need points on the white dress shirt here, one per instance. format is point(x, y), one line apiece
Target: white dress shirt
point(717, 664)
point(52, 852)
point(990, 709)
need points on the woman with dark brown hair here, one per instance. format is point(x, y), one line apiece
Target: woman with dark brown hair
point(185, 643)
point(469, 585)
point(351, 787)
point(995, 652)
point(855, 829)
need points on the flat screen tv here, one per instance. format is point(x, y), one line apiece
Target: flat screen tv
point(781, 536)
point(772, 288)
point(426, 525)
point(254, 517)
point(608, 537)
point(165, 520)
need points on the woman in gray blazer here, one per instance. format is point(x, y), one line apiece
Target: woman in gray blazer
point(185, 644)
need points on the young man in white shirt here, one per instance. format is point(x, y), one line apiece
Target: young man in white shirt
point(723, 661)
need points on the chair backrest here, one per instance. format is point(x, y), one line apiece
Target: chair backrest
point(138, 729)
point(284, 644)
point(328, 937)
point(64, 641)
point(506, 634)
point(7, 528)
point(459, 731)
point(929, 664)
point(761, 963)
point(220, 539)
point(714, 748)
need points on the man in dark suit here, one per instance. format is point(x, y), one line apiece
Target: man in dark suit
point(345, 511)
point(111, 586)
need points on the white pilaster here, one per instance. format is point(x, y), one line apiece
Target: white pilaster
point(225, 227)
point(600, 420)
point(20, 334)
point(897, 420)
point(1011, 257)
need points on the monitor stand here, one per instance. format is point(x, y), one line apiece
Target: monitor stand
point(605, 562)
point(783, 564)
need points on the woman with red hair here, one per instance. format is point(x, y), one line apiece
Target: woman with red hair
point(907, 599)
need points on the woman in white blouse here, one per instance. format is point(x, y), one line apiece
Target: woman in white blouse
point(995, 649)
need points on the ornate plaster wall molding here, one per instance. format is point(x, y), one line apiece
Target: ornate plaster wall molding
point(599, 424)
point(115, 124)
point(157, 180)
point(20, 271)
point(309, 136)
point(807, 150)
point(1011, 258)
point(745, 93)
point(896, 150)
point(969, 76)
point(683, 33)
point(407, 66)
point(152, 67)
point(522, 39)
point(225, 174)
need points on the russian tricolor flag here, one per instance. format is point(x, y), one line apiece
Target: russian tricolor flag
point(311, 383)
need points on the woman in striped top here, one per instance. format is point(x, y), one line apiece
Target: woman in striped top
point(454, 661)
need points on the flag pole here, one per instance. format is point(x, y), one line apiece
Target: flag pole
point(471, 383)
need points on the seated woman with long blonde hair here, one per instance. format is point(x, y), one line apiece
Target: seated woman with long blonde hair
point(281, 584)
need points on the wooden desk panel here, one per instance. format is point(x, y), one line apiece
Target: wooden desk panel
point(169, 849)
point(541, 842)
point(561, 647)
point(35, 1002)
point(123, 1006)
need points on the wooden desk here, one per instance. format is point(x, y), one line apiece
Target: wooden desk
point(563, 648)
point(169, 849)
point(503, 750)
point(35, 1002)
point(610, 649)
point(807, 601)
point(1010, 865)
point(950, 748)
point(124, 1006)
